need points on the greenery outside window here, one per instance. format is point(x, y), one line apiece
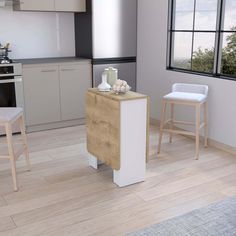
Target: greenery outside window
point(202, 37)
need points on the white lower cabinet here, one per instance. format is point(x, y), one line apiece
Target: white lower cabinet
point(70, 5)
point(50, 5)
point(42, 95)
point(74, 82)
point(55, 93)
point(34, 5)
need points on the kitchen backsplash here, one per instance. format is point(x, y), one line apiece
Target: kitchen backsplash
point(37, 34)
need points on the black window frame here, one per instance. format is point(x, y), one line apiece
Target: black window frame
point(219, 32)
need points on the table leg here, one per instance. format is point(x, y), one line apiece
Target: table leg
point(125, 176)
point(133, 136)
point(93, 161)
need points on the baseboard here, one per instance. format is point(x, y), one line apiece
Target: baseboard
point(222, 146)
point(55, 125)
point(211, 142)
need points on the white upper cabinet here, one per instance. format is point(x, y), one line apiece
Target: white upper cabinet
point(50, 5)
point(34, 5)
point(70, 5)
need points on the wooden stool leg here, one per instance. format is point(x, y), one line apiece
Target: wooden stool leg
point(11, 154)
point(198, 117)
point(25, 143)
point(172, 119)
point(206, 124)
point(162, 124)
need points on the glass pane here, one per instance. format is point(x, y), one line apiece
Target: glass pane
point(205, 15)
point(182, 46)
point(230, 15)
point(203, 52)
point(183, 15)
point(228, 61)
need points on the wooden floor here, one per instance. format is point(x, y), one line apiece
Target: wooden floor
point(62, 195)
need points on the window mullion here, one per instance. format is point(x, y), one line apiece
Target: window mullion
point(170, 31)
point(194, 15)
point(219, 37)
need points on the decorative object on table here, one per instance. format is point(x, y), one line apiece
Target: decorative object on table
point(121, 86)
point(4, 50)
point(104, 86)
point(112, 75)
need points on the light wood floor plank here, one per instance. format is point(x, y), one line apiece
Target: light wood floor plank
point(185, 183)
point(53, 210)
point(2, 202)
point(97, 226)
point(39, 191)
point(6, 223)
point(62, 195)
point(145, 218)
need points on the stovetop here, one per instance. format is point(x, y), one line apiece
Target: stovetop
point(6, 60)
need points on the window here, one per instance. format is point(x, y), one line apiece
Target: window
point(202, 37)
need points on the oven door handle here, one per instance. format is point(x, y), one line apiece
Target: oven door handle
point(5, 81)
point(7, 75)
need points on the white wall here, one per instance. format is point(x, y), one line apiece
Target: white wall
point(37, 34)
point(155, 80)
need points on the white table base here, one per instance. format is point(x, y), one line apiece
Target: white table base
point(133, 136)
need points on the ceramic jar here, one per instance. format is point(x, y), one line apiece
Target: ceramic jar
point(112, 75)
point(104, 86)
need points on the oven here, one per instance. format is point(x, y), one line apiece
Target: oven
point(11, 86)
point(11, 89)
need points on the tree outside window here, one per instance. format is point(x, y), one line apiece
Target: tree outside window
point(202, 37)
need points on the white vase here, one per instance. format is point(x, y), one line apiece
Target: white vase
point(104, 86)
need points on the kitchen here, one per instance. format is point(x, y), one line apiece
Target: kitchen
point(58, 52)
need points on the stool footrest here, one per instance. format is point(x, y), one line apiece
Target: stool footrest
point(17, 154)
point(184, 123)
point(173, 131)
point(179, 122)
point(4, 157)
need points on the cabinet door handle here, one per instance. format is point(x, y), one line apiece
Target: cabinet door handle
point(46, 71)
point(5, 81)
point(67, 69)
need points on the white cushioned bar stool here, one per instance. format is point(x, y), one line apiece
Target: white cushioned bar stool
point(8, 116)
point(191, 95)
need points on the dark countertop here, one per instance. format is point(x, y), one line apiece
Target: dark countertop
point(50, 60)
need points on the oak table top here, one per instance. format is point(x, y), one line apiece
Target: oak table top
point(118, 97)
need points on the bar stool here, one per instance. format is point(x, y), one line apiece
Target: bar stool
point(8, 116)
point(191, 95)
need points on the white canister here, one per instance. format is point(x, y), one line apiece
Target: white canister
point(112, 75)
